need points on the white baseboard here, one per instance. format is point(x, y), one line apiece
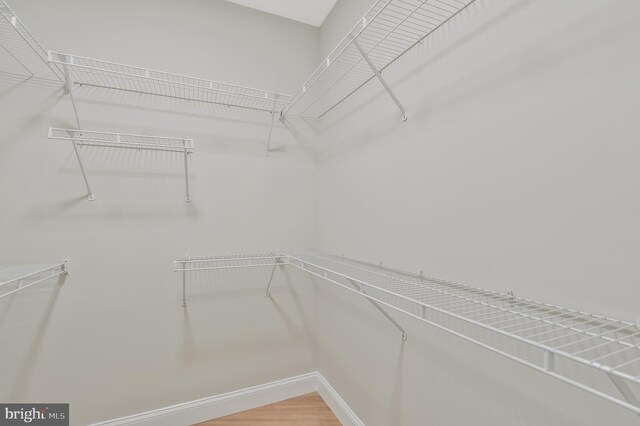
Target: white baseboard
point(342, 411)
point(241, 400)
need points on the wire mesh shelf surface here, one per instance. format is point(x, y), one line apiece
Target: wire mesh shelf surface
point(99, 73)
point(122, 140)
point(20, 52)
point(558, 333)
point(14, 278)
point(230, 261)
point(388, 30)
point(594, 340)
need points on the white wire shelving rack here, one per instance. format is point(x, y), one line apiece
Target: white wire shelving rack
point(88, 138)
point(17, 278)
point(575, 347)
point(80, 70)
point(387, 31)
point(18, 45)
point(231, 261)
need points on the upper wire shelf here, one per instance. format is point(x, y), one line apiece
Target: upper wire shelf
point(559, 336)
point(23, 53)
point(111, 75)
point(386, 32)
point(17, 278)
point(122, 140)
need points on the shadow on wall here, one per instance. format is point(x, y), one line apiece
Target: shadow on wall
point(25, 371)
point(73, 209)
point(248, 285)
point(138, 102)
point(256, 121)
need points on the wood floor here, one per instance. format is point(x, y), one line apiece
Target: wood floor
point(305, 410)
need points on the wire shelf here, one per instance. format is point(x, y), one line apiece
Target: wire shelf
point(122, 140)
point(90, 138)
point(386, 32)
point(20, 52)
point(111, 75)
point(230, 261)
point(18, 278)
point(560, 334)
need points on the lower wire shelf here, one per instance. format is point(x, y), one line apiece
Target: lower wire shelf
point(230, 261)
point(597, 354)
point(17, 278)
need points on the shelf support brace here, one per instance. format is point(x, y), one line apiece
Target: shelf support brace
point(380, 308)
point(69, 88)
point(186, 168)
point(273, 116)
point(381, 79)
point(625, 390)
point(278, 262)
point(184, 285)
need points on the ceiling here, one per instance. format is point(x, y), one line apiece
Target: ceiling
point(310, 12)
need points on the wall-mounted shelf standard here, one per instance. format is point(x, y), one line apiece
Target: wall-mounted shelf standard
point(572, 346)
point(110, 75)
point(126, 141)
point(230, 261)
point(386, 32)
point(18, 278)
point(17, 42)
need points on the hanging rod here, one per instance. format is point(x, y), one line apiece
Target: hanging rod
point(388, 30)
point(24, 276)
point(92, 138)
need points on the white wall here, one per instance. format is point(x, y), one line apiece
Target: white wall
point(113, 339)
point(517, 170)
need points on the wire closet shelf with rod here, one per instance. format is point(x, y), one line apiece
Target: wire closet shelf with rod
point(110, 140)
point(597, 354)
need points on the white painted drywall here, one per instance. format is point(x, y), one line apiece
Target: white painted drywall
point(517, 170)
point(113, 339)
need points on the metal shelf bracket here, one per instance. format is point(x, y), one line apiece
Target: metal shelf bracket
point(625, 390)
point(362, 290)
point(273, 116)
point(381, 79)
point(69, 89)
point(279, 262)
